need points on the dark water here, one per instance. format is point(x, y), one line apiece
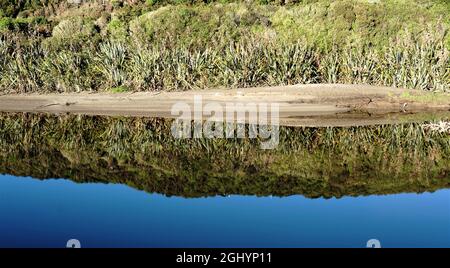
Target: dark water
point(125, 182)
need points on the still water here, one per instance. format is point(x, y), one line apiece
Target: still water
point(48, 213)
point(125, 182)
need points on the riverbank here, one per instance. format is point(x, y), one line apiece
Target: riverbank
point(129, 46)
point(299, 105)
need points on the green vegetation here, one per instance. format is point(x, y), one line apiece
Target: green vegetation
point(142, 153)
point(429, 98)
point(120, 89)
point(54, 46)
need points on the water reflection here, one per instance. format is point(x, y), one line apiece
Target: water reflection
point(106, 180)
point(141, 153)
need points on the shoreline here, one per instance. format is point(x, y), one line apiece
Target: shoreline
point(299, 105)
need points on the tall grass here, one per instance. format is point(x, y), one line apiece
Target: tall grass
point(418, 63)
point(110, 63)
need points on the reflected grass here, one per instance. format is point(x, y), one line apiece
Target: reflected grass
point(141, 152)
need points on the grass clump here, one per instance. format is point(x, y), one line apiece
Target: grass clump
point(120, 89)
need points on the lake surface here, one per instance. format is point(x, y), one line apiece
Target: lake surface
point(125, 182)
point(48, 213)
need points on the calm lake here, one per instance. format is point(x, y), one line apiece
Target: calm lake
point(127, 182)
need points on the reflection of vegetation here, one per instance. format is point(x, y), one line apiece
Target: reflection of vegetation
point(141, 152)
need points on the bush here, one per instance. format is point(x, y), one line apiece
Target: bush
point(110, 63)
point(73, 34)
point(11, 8)
point(117, 29)
point(72, 28)
point(197, 25)
point(5, 24)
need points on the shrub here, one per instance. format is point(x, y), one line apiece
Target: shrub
point(110, 63)
point(72, 28)
point(120, 89)
point(5, 24)
point(117, 29)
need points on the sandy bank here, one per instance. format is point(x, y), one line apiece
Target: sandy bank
point(308, 105)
